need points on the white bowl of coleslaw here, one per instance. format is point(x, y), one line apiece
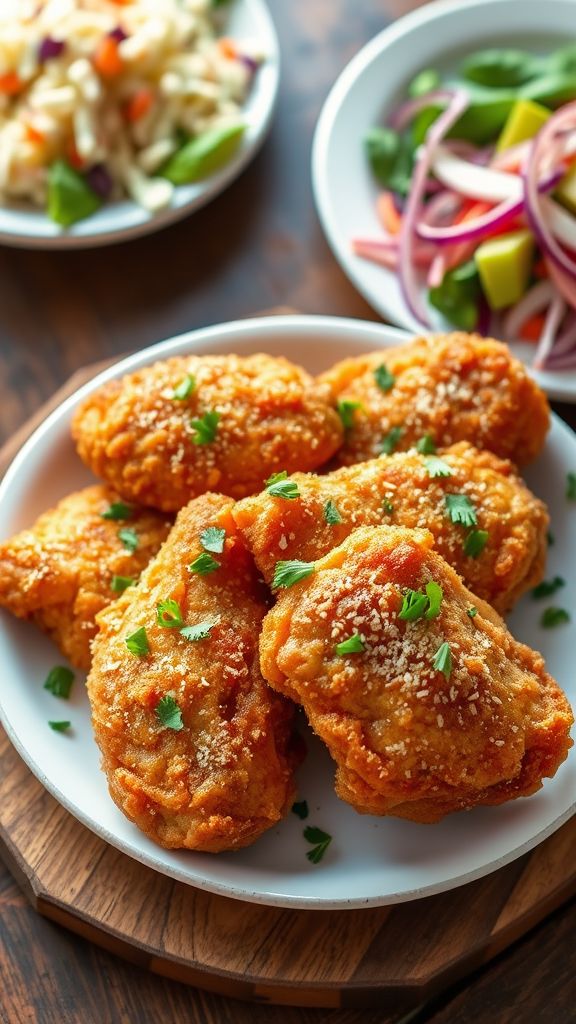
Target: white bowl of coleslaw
point(119, 117)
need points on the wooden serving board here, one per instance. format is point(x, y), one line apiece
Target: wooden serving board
point(394, 957)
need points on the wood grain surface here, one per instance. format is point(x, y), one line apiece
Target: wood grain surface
point(259, 245)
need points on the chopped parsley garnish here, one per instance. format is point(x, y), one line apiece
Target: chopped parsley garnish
point(384, 379)
point(212, 539)
point(169, 714)
point(200, 631)
point(436, 467)
point(417, 604)
point(390, 440)
point(443, 660)
point(387, 506)
point(550, 539)
point(554, 617)
point(280, 487)
point(346, 409)
point(204, 564)
point(137, 643)
point(434, 593)
point(548, 587)
point(475, 543)
point(184, 389)
point(301, 809)
point(353, 645)
point(460, 509)
point(59, 681)
point(121, 583)
point(129, 538)
point(169, 614)
point(571, 486)
point(288, 573)
point(472, 612)
point(60, 726)
point(331, 513)
point(205, 428)
point(426, 445)
point(118, 510)
point(320, 840)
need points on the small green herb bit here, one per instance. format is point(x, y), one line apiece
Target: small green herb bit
point(571, 486)
point(475, 543)
point(204, 564)
point(184, 389)
point(137, 643)
point(205, 428)
point(169, 714)
point(59, 681)
point(548, 587)
point(390, 440)
point(384, 379)
point(290, 572)
point(279, 486)
point(434, 593)
point(387, 506)
point(331, 513)
point(352, 645)
point(200, 631)
point(552, 617)
point(60, 726)
point(212, 539)
point(169, 614)
point(320, 840)
point(472, 612)
point(443, 660)
point(129, 538)
point(414, 606)
point(346, 409)
point(437, 467)
point(426, 445)
point(460, 509)
point(121, 583)
point(301, 809)
point(118, 510)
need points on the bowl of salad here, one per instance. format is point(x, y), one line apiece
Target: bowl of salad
point(118, 117)
point(444, 172)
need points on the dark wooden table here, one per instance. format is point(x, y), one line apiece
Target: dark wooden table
point(257, 246)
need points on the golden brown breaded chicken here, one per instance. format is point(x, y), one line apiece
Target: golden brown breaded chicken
point(454, 387)
point(169, 432)
point(405, 490)
point(60, 572)
point(197, 749)
point(431, 706)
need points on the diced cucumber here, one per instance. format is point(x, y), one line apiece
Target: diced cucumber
point(524, 122)
point(504, 265)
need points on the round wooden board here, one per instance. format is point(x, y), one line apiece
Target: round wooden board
point(393, 957)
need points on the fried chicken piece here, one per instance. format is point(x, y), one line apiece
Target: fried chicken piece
point(423, 717)
point(399, 490)
point(454, 387)
point(237, 420)
point(198, 751)
point(60, 572)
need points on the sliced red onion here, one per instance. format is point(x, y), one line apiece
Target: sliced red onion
point(402, 117)
point(118, 34)
point(556, 311)
point(386, 252)
point(535, 209)
point(249, 63)
point(565, 284)
point(50, 48)
point(471, 230)
point(443, 207)
point(566, 342)
point(532, 302)
point(484, 183)
point(100, 180)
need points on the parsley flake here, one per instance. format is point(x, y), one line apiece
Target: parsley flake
point(204, 564)
point(205, 428)
point(184, 389)
point(552, 617)
point(571, 486)
point(121, 583)
point(137, 643)
point(212, 539)
point(59, 681)
point(472, 612)
point(434, 593)
point(320, 840)
point(280, 487)
point(436, 467)
point(352, 645)
point(60, 726)
point(475, 543)
point(169, 714)
point(301, 809)
point(200, 631)
point(288, 573)
point(460, 509)
point(384, 379)
point(390, 440)
point(443, 660)
point(346, 409)
point(387, 506)
point(118, 510)
point(331, 513)
point(413, 606)
point(548, 587)
point(426, 445)
point(169, 614)
point(129, 538)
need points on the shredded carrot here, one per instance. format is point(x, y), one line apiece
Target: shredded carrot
point(107, 59)
point(74, 158)
point(390, 219)
point(139, 104)
point(32, 133)
point(532, 328)
point(227, 48)
point(10, 83)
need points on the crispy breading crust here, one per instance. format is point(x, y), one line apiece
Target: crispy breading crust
point(226, 776)
point(58, 573)
point(409, 741)
point(398, 490)
point(456, 387)
point(133, 433)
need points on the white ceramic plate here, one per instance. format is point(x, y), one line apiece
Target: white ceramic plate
point(371, 86)
point(371, 861)
point(24, 227)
